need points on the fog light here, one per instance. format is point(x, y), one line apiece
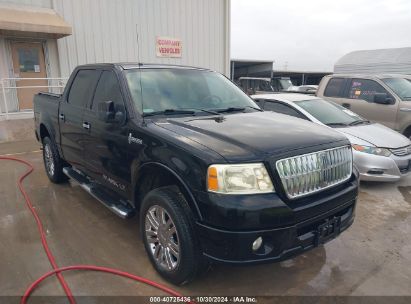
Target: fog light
point(257, 243)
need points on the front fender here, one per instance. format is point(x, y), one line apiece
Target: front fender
point(139, 171)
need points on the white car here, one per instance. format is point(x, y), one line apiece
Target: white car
point(380, 153)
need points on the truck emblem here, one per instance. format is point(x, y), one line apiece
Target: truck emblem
point(135, 140)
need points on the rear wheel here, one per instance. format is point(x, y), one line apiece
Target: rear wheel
point(169, 236)
point(52, 161)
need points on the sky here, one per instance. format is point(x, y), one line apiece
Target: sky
point(312, 35)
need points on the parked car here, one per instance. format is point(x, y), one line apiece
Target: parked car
point(255, 85)
point(260, 85)
point(196, 158)
point(304, 89)
point(380, 154)
point(378, 98)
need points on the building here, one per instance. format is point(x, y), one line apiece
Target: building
point(302, 77)
point(264, 69)
point(382, 61)
point(41, 41)
point(250, 68)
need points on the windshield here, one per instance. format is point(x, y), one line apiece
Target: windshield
point(330, 113)
point(265, 86)
point(285, 83)
point(401, 87)
point(183, 89)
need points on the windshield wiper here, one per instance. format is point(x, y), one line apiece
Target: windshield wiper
point(336, 124)
point(257, 109)
point(168, 112)
point(359, 122)
point(206, 111)
point(237, 109)
point(231, 109)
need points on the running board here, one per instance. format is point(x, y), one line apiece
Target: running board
point(120, 207)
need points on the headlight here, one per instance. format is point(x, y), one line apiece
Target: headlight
point(239, 179)
point(372, 150)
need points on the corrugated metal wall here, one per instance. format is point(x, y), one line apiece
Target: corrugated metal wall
point(105, 31)
point(37, 3)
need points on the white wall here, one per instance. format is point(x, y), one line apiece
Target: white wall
point(105, 31)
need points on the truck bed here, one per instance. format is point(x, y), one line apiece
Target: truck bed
point(46, 111)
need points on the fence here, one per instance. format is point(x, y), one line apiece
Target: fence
point(9, 86)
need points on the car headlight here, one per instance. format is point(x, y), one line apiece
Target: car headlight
point(372, 150)
point(239, 179)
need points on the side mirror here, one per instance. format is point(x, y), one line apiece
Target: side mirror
point(382, 98)
point(107, 112)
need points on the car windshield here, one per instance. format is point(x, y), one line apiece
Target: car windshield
point(401, 87)
point(285, 83)
point(330, 113)
point(175, 91)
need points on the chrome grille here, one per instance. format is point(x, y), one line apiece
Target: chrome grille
point(305, 174)
point(402, 151)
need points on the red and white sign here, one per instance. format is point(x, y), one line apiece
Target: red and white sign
point(168, 47)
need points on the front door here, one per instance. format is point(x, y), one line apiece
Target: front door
point(361, 100)
point(28, 62)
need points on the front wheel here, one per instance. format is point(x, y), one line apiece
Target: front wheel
point(52, 161)
point(169, 237)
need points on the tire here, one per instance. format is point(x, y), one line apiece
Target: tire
point(189, 263)
point(407, 133)
point(53, 163)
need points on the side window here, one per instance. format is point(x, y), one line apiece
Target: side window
point(334, 87)
point(283, 109)
point(108, 89)
point(83, 86)
point(365, 89)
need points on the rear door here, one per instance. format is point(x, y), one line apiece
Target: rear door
point(71, 113)
point(106, 143)
point(334, 90)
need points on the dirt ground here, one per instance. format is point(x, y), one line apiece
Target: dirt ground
point(372, 258)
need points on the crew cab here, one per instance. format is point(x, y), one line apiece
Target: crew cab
point(382, 98)
point(212, 177)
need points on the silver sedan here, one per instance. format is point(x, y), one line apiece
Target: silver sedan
point(380, 154)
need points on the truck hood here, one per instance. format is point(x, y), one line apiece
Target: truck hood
point(377, 135)
point(248, 136)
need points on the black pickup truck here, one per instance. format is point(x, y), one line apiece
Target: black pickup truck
point(212, 176)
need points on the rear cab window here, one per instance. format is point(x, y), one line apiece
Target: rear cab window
point(82, 88)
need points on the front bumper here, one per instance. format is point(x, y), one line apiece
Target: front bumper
point(381, 168)
point(278, 244)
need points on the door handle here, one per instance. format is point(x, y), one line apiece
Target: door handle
point(346, 105)
point(86, 125)
point(405, 109)
point(61, 116)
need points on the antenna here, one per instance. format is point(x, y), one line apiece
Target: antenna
point(139, 72)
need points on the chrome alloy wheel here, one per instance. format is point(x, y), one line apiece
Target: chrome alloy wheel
point(162, 238)
point(48, 157)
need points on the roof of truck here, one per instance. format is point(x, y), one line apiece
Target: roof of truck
point(136, 65)
point(375, 76)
